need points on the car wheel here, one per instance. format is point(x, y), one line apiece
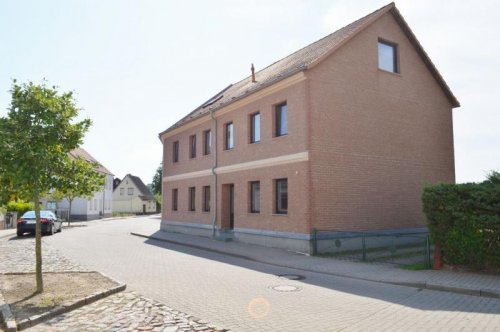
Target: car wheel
point(60, 228)
point(19, 233)
point(51, 230)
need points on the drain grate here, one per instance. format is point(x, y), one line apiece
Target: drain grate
point(286, 288)
point(291, 276)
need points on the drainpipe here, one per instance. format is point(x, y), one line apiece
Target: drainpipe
point(214, 173)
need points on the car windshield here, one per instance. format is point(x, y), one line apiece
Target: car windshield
point(43, 214)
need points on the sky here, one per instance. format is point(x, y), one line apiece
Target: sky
point(136, 67)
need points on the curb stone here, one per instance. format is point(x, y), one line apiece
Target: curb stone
point(12, 326)
point(6, 316)
point(490, 293)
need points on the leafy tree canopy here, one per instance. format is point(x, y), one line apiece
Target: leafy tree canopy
point(156, 184)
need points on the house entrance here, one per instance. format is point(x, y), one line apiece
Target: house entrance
point(227, 218)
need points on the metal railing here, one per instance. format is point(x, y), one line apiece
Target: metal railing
point(408, 249)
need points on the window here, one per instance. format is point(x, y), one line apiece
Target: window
point(255, 197)
point(282, 196)
point(122, 191)
point(174, 199)
point(192, 146)
point(207, 142)
point(175, 152)
point(192, 197)
point(130, 191)
point(255, 128)
point(281, 120)
point(387, 56)
point(206, 198)
point(229, 136)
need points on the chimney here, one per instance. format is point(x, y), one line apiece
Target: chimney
point(253, 74)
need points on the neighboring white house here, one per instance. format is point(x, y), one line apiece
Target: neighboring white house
point(133, 196)
point(99, 206)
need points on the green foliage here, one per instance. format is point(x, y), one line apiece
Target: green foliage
point(156, 184)
point(465, 220)
point(37, 135)
point(20, 207)
point(35, 139)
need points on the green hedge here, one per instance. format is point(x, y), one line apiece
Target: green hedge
point(20, 207)
point(465, 220)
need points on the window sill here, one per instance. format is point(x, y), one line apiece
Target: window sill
point(280, 137)
point(227, 150)
point(253, 143)
point(253, 213)
point(389, 72)
point(280, 214)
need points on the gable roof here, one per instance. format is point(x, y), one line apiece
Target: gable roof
point(306, 58)
point(82, 153)
point(144, 192)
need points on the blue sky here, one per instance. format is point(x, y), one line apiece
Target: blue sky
point(138, 66)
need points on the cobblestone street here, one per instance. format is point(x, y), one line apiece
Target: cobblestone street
point(126, 311)
point(169, 285)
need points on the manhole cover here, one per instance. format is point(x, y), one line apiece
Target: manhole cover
point(291, 276)
point(286, 288)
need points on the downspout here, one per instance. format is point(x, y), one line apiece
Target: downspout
point(214, 173)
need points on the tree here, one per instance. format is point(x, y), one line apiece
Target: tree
point(156, 184)
point(80, 180)
point(35, 138)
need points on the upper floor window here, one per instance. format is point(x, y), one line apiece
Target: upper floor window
point(281, 120)
point(122, 191)
point(130, 191)
point(388, 56)
point(229, 136)
point(281, 196)
point(192, 146)
point(175, 152)
point(207, 142)
point(255, 128)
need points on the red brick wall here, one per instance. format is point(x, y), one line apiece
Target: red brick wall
point(297, 219)
point(376, 137)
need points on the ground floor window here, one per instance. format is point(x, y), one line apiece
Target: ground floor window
point(281, 196)
point(174, 199)
point(255, 196)
point(192, 197)
point(206, 198)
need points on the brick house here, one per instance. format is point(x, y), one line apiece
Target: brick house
point(340, 136)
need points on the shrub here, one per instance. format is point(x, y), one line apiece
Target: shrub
point(20, 207)
point(465, 220)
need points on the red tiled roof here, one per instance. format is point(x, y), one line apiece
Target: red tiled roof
point(81, 153)
point(308, 57)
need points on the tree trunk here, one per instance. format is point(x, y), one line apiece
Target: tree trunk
point(69, 212)
point(38, 246)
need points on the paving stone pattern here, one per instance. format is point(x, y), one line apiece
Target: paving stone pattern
point(18, 255)
point(126, 311)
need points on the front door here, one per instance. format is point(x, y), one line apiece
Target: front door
point(227, 205)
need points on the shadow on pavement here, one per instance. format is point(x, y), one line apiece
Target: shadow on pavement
point(402, 295)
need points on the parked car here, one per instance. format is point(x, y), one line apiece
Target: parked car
point(50, 223)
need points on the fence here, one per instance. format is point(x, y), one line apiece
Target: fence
point(409, 249)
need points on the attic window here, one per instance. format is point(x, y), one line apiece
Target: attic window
point(388, 56)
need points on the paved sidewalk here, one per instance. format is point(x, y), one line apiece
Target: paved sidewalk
point(458, 282)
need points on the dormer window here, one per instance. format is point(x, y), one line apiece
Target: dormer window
point(388, 56)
